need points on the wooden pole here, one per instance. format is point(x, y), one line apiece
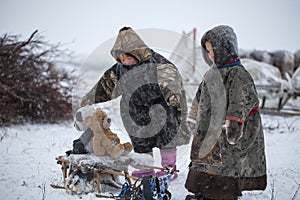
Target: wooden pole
point(160, 168)
point(98, 182)
point(194, 49)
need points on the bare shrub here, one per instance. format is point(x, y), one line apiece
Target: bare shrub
point(31, 88)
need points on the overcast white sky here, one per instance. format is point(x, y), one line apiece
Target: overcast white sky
point(259, 24)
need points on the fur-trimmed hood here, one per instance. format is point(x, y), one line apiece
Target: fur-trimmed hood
point(128, 42)
point(224, 43)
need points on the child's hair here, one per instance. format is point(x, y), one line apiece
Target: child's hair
point(124, 55)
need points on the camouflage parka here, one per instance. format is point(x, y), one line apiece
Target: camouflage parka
point(226, 92)
point(153, 103)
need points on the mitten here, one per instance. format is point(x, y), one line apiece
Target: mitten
point(192, 118)
point(78, 122)
point(173, 100)
point(234, 131)
point(191, 124)
point(85, 101)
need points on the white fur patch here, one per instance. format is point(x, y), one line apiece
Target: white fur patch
point(80, 115)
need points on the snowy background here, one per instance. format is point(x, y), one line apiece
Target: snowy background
point(28, 152)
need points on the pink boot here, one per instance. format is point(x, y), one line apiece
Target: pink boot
point(168, 160)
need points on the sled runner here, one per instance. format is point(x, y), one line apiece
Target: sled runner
point(83, 174)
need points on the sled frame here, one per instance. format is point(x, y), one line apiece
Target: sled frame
point(97, 176)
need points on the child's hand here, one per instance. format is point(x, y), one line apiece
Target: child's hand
point(85, 101)
point(173, 100)
point(234, 131)
point(192, 118)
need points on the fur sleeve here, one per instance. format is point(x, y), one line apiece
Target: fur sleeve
point(242, 95)
point(170, 83)
point(104, 90)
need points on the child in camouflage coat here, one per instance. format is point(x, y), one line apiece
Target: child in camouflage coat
point(227, 153)
point(153, 103)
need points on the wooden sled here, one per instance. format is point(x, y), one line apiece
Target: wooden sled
point(65, 167)
point(97, 172)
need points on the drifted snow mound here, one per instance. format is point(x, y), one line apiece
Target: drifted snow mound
point(266, 76)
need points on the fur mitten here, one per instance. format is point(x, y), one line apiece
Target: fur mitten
point(234, 131)
point(192, 118)
point(191, 124)
point(174, 100)
point(85, 101)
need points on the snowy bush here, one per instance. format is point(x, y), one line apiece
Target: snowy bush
point(31, 88)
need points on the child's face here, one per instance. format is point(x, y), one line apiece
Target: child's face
point(210, 51)
point(128, 60)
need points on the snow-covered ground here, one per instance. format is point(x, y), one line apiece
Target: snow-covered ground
point(28, 165)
